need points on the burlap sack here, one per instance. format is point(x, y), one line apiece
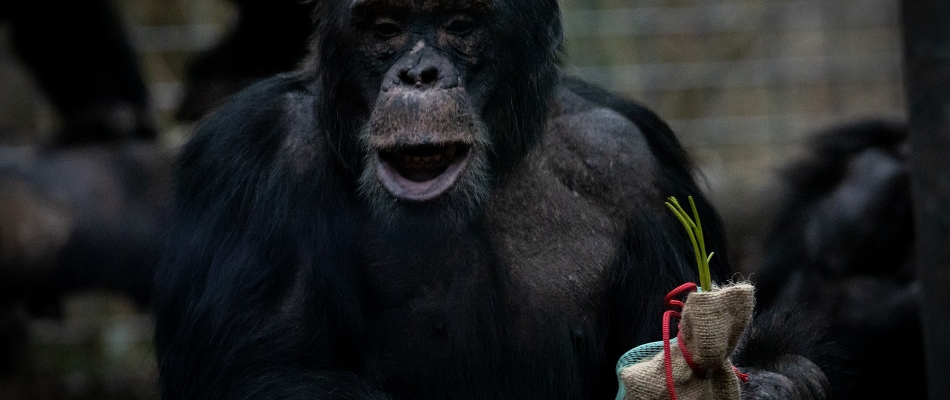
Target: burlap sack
point(711, 325)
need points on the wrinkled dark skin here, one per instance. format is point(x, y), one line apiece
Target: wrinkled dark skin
point(427, 210)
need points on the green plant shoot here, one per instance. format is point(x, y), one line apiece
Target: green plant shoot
point(694, 228)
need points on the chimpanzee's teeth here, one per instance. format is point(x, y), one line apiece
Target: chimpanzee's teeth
point(412, 161)
point(424, 163)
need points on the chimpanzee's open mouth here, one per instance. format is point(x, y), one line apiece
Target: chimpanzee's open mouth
point(421, 172)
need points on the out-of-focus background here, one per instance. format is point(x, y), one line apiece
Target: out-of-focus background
point(743, 82)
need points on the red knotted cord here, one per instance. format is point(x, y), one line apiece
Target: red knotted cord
point(743, 377)
point(667, 360)
point(687, 356)
point(671, 301)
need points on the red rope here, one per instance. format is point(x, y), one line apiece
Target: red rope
point(671, 301)
point(671, 297)
point(667, 360)
point(688, 357)
point(743, 377)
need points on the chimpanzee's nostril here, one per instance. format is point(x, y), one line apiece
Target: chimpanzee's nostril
point(429, 75)
point(420, 76)
point(406, 78)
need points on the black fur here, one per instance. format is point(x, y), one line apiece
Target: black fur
point(282, 279)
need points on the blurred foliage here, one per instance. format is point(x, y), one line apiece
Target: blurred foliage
point(99, 348)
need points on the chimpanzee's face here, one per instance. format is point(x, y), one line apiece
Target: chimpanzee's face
point(423, 73)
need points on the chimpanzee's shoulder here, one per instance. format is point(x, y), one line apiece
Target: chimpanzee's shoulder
point(271, 124)
point(601, 150)
point(271, 101)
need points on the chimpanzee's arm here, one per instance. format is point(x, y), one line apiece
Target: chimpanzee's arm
point(255, 297)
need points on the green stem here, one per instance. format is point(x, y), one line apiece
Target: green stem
point(702, 247)
point(681, 215)
point(694, 230)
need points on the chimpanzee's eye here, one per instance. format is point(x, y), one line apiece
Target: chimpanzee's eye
point(386, 29)
point(461, 26)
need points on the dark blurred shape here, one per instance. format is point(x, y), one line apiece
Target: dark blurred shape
point(841, 246)
point(79, 53)
point(85, 212)
point(81, 214)
point(13, 338)
point(926, 44)
point(269, 37)
point(80, 218)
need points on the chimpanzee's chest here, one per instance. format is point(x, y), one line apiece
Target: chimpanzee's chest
point(445, 334)
point(517, 301)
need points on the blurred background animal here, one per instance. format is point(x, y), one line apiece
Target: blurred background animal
point(841, 246)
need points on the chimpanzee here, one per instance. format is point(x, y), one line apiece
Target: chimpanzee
point(841, 245)
point(428, 209)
